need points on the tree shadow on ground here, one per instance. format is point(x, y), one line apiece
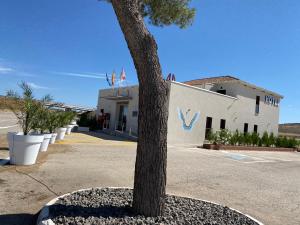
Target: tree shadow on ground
point(18, 219)
point(105, 136)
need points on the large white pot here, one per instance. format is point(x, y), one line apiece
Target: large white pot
point(26, 148)
point(61, 133)
point(45, 143)
point(69, 128)
point(52, 139)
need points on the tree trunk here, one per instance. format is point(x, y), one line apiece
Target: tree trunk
point(151, 159)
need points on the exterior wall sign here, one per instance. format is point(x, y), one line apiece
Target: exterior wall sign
point(182, 117)
point(271, 100)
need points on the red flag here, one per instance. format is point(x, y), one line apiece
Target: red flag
point(123, 75)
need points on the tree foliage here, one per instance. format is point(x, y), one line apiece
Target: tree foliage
point(167, 12)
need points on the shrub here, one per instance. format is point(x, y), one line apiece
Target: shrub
point(85, 121)
point(292, 143)
point(52, 121)
point(265, 139)
point(272, 139)
point(234, 140)
point(223, 137)
point(255, 139)
point(241, 139)
point(210, 135)
point(63, 118)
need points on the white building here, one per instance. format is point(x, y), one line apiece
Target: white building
point(197, 106)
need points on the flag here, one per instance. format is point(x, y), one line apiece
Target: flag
point(123, 75)
point(113, 78)
point(173, 77)
point(107, 79)
point(169, 76)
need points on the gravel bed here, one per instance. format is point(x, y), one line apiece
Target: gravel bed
point(113, 206)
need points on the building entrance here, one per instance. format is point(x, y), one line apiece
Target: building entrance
point(122, 117)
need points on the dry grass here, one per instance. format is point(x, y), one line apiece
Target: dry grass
point(4, 102)
point(290, 128)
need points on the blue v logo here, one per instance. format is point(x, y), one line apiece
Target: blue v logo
point(182, 117)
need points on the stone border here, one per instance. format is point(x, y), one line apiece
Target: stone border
point(44, 213)
point(247, 148)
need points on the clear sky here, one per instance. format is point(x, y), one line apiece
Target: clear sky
point(63, 47)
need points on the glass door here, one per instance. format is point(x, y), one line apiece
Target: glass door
point(122, 117)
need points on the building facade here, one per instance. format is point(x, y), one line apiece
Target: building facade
point(198, 106)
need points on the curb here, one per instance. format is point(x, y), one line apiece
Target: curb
point(44, 213)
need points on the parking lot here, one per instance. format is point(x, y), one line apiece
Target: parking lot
point(265, 185)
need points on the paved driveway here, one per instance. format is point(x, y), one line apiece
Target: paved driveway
point(8, 122)
point(265, 185)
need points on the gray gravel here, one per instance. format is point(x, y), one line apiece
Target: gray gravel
point(113, 206)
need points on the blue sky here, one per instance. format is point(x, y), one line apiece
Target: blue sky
point(51, 44)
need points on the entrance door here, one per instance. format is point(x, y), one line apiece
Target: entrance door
point(208, 126)
point(122, 117)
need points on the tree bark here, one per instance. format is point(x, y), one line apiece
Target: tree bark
point(151, 159)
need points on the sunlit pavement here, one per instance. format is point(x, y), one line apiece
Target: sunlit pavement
point(265, 185)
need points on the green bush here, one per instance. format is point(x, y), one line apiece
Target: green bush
point(210, 135)
point(85, 121)
point(222, 137)
point(65, 118)
point(247, 139)
point(255, 139)
point(225, 137)
point(272, 140)
point(241, 139)
point(265, 139)
point(292, 143)
point(234, 140)
point(52, 121)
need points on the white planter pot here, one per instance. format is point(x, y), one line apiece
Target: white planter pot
point(52, 139)
point(45, 143)
point(73, 122)
point(10, 144)
point(26, 148)
point(69, 128)
point(61, 133)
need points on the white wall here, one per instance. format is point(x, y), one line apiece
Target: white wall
point(110, 106)
point(235, 110)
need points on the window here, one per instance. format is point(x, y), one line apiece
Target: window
point(255, 129)
point(257, 105)
point(245, 127)
point(222, 124)
point(134, 113)
point(223, 92)
point(208, 126)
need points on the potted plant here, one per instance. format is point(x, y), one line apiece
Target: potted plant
point(62, 122)
point(41, 122)
point(71, 117)
point(25, 147)
point(53, 125)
